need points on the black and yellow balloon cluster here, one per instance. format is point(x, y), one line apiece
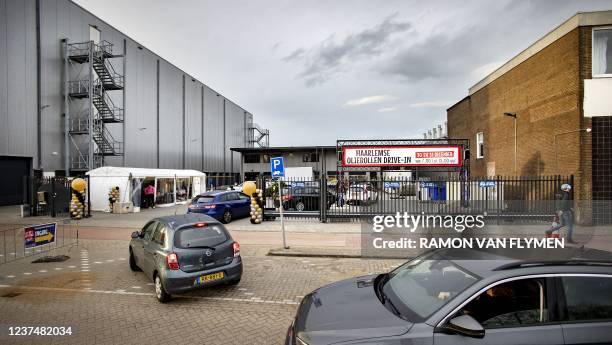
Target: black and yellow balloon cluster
point(113, 197)
point(77, 203)
point(249, 188)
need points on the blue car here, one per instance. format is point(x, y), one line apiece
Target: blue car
point(222, 205)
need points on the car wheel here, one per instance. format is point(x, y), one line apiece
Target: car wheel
point(234, 281)
point(227, 216)
point(133, 265)
point(300, 206)
point(160, 291)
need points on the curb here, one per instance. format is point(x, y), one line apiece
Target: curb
point(323, 254)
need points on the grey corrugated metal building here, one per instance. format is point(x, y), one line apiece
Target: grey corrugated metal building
point(158, 115)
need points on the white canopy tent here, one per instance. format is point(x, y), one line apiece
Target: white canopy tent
point(172, 186)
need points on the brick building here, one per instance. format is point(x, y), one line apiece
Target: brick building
point(548, 111)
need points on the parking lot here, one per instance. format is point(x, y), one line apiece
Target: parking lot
point(95, 293)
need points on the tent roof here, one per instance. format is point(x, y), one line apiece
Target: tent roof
point(141, 172)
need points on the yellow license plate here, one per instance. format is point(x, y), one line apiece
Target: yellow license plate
point(209, 278)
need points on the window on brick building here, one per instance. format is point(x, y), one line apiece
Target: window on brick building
point(480, 145)
point(602, 52)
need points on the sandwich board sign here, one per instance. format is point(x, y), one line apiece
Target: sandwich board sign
point(277, 167)
point(39, 235)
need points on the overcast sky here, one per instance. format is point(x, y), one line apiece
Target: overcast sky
point(317, 71)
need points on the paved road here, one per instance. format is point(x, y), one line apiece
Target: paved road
point(96, 294)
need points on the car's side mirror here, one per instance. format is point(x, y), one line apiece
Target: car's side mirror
point(465, 325)
point(135, 234)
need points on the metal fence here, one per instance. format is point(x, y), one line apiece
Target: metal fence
point(14, 244)
point(499, 199)
point(50, 196)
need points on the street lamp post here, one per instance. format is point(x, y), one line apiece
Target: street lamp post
point(588, 130)
point(513, 115)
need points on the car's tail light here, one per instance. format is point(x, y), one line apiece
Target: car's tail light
point(200, 224)
point(287, 197)
point(172, 261)
point(192, 206)
point(210, 206)
point(236, 247)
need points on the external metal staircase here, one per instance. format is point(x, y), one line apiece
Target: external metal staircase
point(89, 107)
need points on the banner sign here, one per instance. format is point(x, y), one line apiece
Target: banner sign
point(392, 184)
point(38, 235)
point(430, 184)
point(487, 184)
point(393, 156)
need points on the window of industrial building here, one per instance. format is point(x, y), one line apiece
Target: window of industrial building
point(602, 52)
point(266, 158)
point(310, 157)
point(480, 145)
point(251, 158)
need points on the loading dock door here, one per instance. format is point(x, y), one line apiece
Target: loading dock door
point(11, 184)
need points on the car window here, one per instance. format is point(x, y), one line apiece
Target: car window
point(207, 236)
point(422, 286)
point(243, 196)
point(204, 199)
point(511, 304)
point(160, 234)
point(588, 298)
point(231, 196)
point(148, 230)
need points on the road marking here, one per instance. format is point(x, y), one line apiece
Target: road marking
point(121, 259)
point(147, 294)
point(136, 287)
point(239, 289)
point(110, 260)
point(97, 262)
point(71, 266)
point(249, 293)
point(120, 290)
point(43, 271)
point(27, 273)
point(58, 268)
point(84, 270)
point(10, 276)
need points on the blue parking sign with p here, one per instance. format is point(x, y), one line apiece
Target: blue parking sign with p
point(277, 167)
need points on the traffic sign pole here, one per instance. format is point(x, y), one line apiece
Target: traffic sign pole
point(280, 198)
point(277, 169)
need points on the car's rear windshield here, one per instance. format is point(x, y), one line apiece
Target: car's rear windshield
point(203, 199)
point(197, 237)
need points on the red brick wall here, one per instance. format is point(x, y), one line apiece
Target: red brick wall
point(545, 92)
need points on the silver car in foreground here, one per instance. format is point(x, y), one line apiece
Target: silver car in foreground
point(185, 252)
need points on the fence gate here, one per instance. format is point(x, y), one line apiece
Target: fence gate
point(499, 199)
point(22, 241)
point(50, 196)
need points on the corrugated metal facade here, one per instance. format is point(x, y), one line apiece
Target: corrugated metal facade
point(171, 119)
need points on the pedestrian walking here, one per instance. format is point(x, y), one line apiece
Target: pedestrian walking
point(150, 196)
point(565, 213)
point(341, 191)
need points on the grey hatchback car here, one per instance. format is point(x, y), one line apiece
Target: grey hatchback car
point(185, 252)
point(465, 297)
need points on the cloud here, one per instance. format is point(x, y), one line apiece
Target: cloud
point(387, 110)
point(369, 100)
point(324, 60)
point(438, 56)
point(432, 104)
point(484, 70)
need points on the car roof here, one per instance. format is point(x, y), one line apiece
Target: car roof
point(217, 192)
point(176, 221)
point(489, 262)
